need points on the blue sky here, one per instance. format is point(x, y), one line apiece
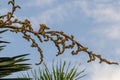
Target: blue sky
point(94, 23)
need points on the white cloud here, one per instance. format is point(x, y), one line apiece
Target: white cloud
point(105, 72)
point(107, 1)
point(117, 51)
point(112, 32)
point(106, 15)
point(102, 12)
point(3, 11)
point(51, 15)
point(40, 3)
point(57, 13)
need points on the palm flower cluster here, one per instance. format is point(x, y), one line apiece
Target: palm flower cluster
point(44, 34)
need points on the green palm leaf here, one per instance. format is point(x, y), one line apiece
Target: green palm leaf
point(17, 79)
point(61, 71)
point(10, 65)
point(1, 41)
point(2, 31)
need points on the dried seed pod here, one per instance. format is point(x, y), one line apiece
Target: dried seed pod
point(57, 37)
point(34, 44)
point(27, 37)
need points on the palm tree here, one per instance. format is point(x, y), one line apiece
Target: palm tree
point(9, 65)
point(61, 71)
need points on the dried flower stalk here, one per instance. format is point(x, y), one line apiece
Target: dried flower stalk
point(44, 34)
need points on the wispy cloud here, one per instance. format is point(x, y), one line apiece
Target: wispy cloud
point(50, 15)
point(58, 13)
point(105, 72)
point(117, 51)
point(3, 11)
point(40, 3)
point(106, 14)
point(113, 32)
point(102, 11)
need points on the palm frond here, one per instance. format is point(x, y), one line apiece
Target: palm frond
point(62, 71)
point(1, 41)
point(9, 65)
point(2, 31)
point(17, 79)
